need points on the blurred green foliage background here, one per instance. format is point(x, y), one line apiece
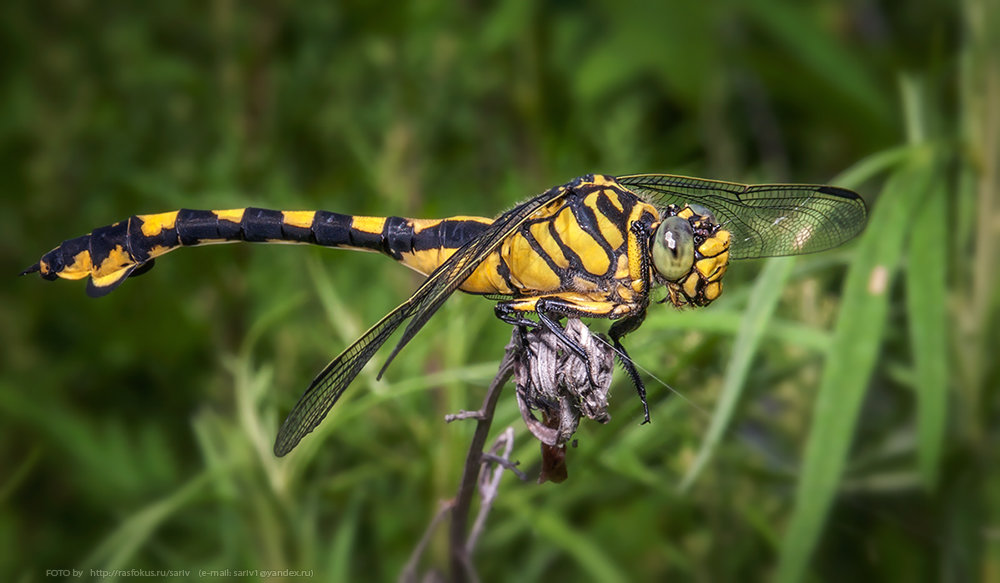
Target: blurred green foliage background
point(835, 414)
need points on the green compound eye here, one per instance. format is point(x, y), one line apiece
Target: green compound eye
point(673, 248)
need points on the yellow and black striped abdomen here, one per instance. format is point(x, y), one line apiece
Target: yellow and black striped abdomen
point(126, 248)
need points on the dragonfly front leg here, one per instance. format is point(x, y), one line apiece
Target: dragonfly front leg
point(617, 331)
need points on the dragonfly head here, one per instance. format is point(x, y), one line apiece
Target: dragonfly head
point(690, 253)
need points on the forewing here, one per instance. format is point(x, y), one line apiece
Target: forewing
point(765, 220)
point(329, 385)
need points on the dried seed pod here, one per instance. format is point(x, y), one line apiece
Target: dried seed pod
point(554, 380)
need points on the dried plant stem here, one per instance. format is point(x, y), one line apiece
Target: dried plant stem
point(409, 572)
point(461, 564)
point(489, 483)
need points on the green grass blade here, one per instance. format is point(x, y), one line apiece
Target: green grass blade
point(550, 526)
point(344, 548)
point(873, 165)
point(725, 321)
point(795, 27)
point(763, 300)
point(119, 547)
point(926, 281)
point(856, 342)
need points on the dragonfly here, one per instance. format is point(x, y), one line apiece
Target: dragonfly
point(594, 247)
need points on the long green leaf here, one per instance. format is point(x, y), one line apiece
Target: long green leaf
point(926, 281)
point(853, 353)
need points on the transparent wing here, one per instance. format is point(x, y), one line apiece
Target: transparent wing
point(329, 384)
point(766, 219)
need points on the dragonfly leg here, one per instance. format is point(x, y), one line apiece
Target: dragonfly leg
point(550, 311)
point(617, 331)
point(508, 314)
point(549, 315)
point(551, 308)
